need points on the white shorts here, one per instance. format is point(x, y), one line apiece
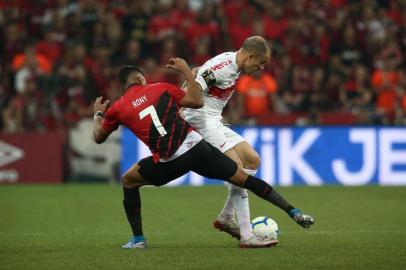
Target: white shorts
point(220, 136)
point(191, 140)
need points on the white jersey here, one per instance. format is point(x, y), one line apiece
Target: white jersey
point(217, 78)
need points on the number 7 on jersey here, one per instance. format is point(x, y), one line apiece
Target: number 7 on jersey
point(155, 119)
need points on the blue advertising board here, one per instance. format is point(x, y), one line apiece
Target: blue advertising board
point(310, 155)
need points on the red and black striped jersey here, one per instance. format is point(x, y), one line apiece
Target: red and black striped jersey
point(151, 112)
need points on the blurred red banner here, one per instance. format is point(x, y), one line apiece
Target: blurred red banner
point(31, 158)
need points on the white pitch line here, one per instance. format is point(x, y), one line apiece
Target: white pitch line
point(343, 232)
point(55, 233)
point(281, 232)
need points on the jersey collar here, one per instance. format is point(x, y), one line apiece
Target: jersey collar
point(131, 85)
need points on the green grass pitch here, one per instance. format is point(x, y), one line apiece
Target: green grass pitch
point(83, 226)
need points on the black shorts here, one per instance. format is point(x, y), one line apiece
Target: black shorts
point(203, 159)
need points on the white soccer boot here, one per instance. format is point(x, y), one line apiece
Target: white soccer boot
point(229, 226)
point(257, 242)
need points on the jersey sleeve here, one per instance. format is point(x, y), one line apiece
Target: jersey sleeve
point(110, 122)
point(215, 72)
point(175, 92)
point(206, 77)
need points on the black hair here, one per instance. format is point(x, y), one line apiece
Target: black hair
point(256, 45)
point(125, 72)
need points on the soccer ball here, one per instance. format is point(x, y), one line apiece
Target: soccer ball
point(265, 227)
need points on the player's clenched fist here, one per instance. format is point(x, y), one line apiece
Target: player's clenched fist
point(178, 64)
point(100, 106)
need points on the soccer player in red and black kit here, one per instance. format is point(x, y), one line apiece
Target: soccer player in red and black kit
point(151, 112)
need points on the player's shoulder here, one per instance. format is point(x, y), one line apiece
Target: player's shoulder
point(225, 55)
point(220, 69)
point(223, 65)
point(221, 62)
point(162, 86)
point(158, 85)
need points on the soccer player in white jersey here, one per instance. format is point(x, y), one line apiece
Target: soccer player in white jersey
point(217, 78)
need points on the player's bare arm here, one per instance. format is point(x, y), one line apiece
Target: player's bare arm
point(193, 98)
point(99, 108)
point(195, 70)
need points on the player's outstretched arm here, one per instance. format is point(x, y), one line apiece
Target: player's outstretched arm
point(193, 98)
point(99, 108)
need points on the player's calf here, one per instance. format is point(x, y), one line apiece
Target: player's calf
point(266, 192)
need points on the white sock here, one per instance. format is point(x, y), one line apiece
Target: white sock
point(228, 211)
point(240, 197)
point(237, 204)
point(243, 210)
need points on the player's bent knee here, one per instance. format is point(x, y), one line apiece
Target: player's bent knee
point(239, 178)
point(239, 164)
point(252, 162)
point(238, 161)
point(129, 182)
point(234, 156)
point(126, 181)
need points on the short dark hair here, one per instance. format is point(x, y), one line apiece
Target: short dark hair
point(125, 72)
point(256, 45)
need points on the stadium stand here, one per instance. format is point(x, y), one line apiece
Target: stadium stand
point(339, 61)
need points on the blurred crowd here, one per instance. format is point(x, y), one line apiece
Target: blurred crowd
point(328, 56)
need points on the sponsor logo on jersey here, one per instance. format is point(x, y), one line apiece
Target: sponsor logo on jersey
point(221, 65)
